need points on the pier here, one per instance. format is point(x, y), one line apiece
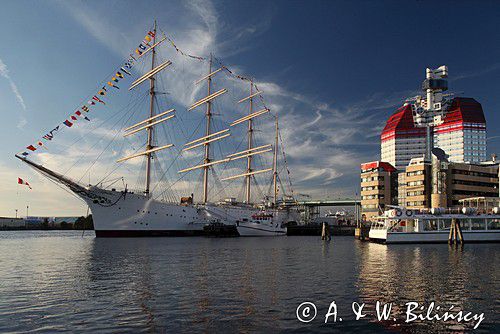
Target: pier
point(310, 209)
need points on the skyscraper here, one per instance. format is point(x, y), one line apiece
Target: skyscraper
point(456, 125)
point(462, 135)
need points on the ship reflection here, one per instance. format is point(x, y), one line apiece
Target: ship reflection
point(165, 285)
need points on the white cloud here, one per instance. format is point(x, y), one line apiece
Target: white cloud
point(4, 72)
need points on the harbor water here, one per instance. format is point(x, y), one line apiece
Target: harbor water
point(63, 281)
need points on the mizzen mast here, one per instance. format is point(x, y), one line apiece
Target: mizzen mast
point(275, 163)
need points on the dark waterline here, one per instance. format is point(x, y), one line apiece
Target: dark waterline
point(60, 281)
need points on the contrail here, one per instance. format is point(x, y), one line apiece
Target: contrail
point(4, 72)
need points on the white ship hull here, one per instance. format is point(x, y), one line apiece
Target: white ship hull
point(122, 214)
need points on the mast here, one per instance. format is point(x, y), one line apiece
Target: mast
point(275, 164)
point(208, 115)
point(249, 158)
point(151, 114)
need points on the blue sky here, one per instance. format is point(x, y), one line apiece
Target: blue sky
point(333, 70)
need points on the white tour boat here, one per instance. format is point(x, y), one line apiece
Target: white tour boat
point(400, 225)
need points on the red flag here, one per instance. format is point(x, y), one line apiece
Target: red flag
point(98, 99)
point(31, 148)
point(41, 144)
point(21, 181)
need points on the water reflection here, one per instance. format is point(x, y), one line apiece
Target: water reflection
point(424, 273)
point(57, 281)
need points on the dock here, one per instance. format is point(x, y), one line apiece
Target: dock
point(315, 230)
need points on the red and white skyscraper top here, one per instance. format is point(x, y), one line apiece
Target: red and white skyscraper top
point(456, 125)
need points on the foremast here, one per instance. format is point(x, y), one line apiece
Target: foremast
point(151, 114)
point(154, 119)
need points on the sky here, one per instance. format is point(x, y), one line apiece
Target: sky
point(333, 71)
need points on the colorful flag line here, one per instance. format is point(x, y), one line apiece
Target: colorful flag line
point(80, 113)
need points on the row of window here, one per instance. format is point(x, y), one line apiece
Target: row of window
point(415, 203)
point(377, 196)
point(415, 183)
point(417, 172)
point(415, 193)
point(473, 173)
point(475, 183)
point(373, 188)
point(373, 178)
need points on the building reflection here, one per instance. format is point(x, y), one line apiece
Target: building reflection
point(399, 274)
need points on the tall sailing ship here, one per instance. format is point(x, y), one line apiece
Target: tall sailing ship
point(126, 213)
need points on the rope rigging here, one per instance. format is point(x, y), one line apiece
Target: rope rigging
point(175, 133)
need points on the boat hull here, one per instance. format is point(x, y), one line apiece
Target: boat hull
point(259, 230)
point(147, 233)
point(432, 236)
point(122, 214)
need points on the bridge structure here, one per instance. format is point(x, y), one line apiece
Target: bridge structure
point(310, 208)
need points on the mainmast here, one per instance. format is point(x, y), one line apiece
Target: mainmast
point(151, 114)
point(208, 115)
point(249, 158)
point(209, 137)
point(275, 164)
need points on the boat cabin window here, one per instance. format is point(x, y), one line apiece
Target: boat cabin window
point(444, 224)
point(430, 225)
point(493, 224)
point(478, 224)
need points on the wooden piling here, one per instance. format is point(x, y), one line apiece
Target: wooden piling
point(459, 232)
point(325, 232)
point(456, 235)
point(450, 235)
